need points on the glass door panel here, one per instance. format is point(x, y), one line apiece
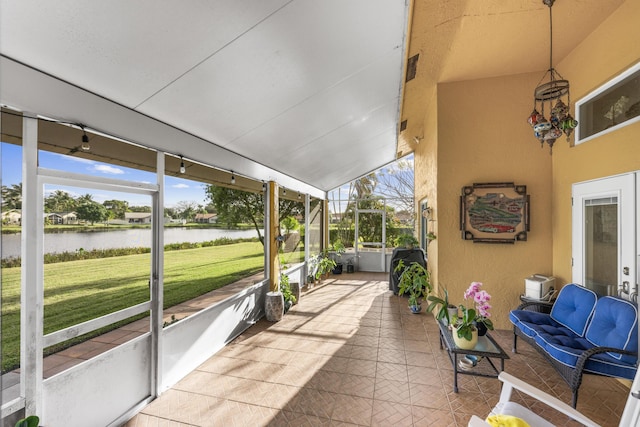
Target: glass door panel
point(601, 245)
point(604, 235)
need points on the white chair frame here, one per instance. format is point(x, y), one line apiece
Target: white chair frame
point(510, 383)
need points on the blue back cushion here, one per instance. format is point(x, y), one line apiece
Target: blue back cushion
point(615, 324)
point(574, 307)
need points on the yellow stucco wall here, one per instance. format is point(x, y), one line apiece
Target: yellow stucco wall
point(483, 137)
point(608, 51)
point(476, 131)
point(426, 178)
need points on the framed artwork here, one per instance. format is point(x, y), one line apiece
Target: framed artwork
point(494, 212)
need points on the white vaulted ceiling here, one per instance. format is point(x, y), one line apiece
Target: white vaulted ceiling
point(308, 88)
point(311, 89)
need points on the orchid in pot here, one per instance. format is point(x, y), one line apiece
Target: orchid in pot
point(481, 300)
point(465, 329)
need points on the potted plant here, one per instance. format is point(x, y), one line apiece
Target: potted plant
point(447, 311)
point(287, 293)
point(325, 265)
point(407, 240)
point(338, 250)
point(415, 281)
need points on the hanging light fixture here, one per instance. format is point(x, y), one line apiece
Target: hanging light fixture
point(85, 141)
point(182, 168)
point(233, 178)
point(560, 120)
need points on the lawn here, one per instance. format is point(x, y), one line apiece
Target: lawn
point(78, 291)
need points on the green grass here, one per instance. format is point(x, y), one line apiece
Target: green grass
point(78, 291)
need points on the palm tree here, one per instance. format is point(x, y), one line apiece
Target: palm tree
point(85, 198)
point(59, 201)
point(12, 196)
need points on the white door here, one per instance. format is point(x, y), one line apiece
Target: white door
point(604, 235)
point(368, 223)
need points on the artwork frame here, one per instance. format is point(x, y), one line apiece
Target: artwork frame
point(495, 212)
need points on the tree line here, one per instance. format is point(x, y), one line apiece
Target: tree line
point(232, 206)
point(87, 209)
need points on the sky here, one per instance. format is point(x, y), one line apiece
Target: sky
point(176, 189)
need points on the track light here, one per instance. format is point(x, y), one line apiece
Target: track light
point(182, 168)
point(233, 178)
point(85, 141)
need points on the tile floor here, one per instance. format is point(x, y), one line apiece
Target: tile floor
point(351, 354)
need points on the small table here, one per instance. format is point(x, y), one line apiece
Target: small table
point(487, 348)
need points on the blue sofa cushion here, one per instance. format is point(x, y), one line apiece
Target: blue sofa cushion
point(567, 349)
point(530, 322)
point(615, 324)
point(574, 307)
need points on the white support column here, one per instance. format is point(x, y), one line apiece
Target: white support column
point(307, 236)
point(32, 295)
point(157, 278)
point(267, 236)
point(326, 221)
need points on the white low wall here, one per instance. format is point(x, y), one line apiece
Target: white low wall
point(373, 261)
point(97, 392)
point(191, 341)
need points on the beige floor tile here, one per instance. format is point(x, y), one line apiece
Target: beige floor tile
point(354, 410)
point(429, 397)
point(364, 340)
point(391, 414)
point(428, 417)
point(296, 376)
point(366, 368)
point(392, 391)
point(425, 360)
point(417, 346)
point(356, 385)
point(392, 371)
point(364, 352)
point(423, 375)
point(295, 419)
point(468, 403)
point(312, 402)
point(392, 355)
point(325, 381)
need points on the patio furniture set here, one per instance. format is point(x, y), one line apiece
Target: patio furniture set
point(579, 333)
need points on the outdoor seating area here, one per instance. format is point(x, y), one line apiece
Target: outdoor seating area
point(583, 333)
point(351, 353)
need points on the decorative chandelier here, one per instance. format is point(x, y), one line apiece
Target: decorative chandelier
point(560, 120)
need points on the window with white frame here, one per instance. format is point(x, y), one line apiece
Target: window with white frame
point(611, 106)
